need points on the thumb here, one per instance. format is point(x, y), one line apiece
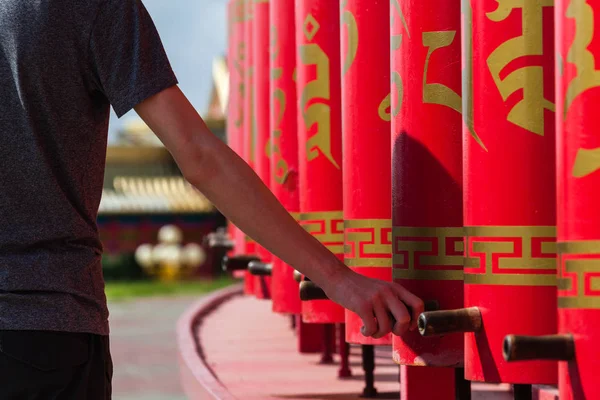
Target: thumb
point(369, 327)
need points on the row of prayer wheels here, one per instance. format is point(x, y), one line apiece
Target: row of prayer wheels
point(450, 147)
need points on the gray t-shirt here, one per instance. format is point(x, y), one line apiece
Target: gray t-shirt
point(62, 64)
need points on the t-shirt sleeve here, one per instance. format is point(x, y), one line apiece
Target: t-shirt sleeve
point(129, 62)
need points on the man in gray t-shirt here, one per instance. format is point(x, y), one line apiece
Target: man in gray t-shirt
point(63, 63)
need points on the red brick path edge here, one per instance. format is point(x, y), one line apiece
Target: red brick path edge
point(197, 379)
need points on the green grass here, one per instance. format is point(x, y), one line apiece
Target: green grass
point(121, 291)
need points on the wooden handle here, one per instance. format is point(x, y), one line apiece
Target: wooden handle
point(433, 323)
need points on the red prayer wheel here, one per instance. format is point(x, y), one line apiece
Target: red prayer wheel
point(509, 183)
point(234, 19)
point(578, 166)
point(235, 109)
point(320, 136)
point(249, 132)
point(427, 383)
point(262, 161)
point(427, 169)
point(232, 130)
point(284, 141)
point(365, 51)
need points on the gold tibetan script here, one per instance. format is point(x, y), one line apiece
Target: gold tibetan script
point(241, 87)
point(273, 148)
point(587, 161)
point(317, 92)
point(467, 73)
point(384, 108)
point(437, 93)
point(529, 112)
point(397, 38)
point(396, 42)
point(251, 110)
point(348, 19)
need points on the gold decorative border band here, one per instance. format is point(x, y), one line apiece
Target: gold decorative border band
point(579, 274)
point(510, 255)
point(327, 227)
point(368, 242)
point(432, 253)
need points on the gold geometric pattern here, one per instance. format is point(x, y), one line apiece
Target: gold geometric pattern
point(368, 243)
point(327, 227)
point(510, 255)
point(432, 253)
point(579, 274)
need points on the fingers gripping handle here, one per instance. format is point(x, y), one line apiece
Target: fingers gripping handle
point(310, 291)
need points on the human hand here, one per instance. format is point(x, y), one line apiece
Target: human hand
point(384, 307)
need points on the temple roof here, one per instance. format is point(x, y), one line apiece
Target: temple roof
point(153, 195)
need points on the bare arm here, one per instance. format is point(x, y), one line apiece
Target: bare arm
point(231, 185)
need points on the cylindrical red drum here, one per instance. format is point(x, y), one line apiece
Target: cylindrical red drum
point(427, 168)
point(235, 108)
point(578, 162)
point(248, 137)
point(233, 82)
point(284, 141)
point(262, 162)
point(366, 130)
point(431, 383)
point(320, 135)
point(509, 183)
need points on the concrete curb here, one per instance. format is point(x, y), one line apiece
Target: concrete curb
point(197, 378)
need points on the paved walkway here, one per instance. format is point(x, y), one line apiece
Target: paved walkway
point(253, 353)
point(144, 348)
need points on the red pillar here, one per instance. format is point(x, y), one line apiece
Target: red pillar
point(427, 169)
point(310, 336)
point(419, 383)
point(427, 183)
point(510, 214)
point(319, 135)
point(366, 146)
point(284, 141)
point(578, 166)
point(262, 162)
point(235, 109)
point(232, 130)
point(249, 132)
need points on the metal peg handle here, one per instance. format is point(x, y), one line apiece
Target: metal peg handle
point(258, 268)
point(433, 323)
point(237, 263)
point(548, 347)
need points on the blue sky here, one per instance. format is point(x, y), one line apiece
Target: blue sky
point(193, 33)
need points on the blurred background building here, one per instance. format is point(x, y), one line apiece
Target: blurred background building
point(143, 188)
